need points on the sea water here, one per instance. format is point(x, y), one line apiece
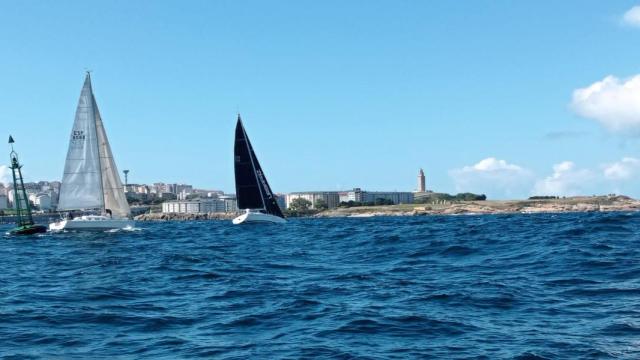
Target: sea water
point(486, 287)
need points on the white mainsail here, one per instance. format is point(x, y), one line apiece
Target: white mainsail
point(91, 179)
point(81, 183)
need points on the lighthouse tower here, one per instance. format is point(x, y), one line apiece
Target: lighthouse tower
point(421, 181)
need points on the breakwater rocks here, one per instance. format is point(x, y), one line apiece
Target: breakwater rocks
point(570, 204)
point(184, 217)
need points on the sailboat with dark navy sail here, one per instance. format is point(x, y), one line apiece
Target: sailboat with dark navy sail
point(91, 185)
point(253, 192)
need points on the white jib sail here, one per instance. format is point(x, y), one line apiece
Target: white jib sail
point(114, 196)
point(81, 182)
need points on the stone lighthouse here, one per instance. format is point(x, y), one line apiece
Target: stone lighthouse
point(421, 181)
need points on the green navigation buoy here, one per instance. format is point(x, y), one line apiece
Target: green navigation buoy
point(25, 222)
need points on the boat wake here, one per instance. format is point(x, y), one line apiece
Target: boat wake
point(125, 229)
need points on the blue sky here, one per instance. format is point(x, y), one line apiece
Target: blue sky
point(484, 95)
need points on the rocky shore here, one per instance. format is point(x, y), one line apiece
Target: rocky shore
point(570, 204)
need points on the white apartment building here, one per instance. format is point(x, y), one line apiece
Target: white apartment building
point(200, 206)
point(43, 202)
point(397, 197)
point(230, 203)
point(331, 198)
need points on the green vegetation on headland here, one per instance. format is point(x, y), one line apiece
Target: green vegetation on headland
point(421, 198)
point(569, 204)
point(302, 207)
point(429, 198)
point(352, 203)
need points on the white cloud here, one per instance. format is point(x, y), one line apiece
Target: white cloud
point(566, 180)
point(625, 169)
point(492, 164)
point(612, 102)
point(632, 16)
point(493, 177)
point(5, 174)
point(499, 179)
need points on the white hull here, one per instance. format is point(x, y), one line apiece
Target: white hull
point(258, 217)
point(91, 223)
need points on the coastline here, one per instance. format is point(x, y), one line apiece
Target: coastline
point(485, 207)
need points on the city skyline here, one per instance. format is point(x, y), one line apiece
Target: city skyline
point(547, 107)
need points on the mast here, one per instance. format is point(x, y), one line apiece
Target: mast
point(23, 215)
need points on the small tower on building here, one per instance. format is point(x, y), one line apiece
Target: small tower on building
point(421, 181)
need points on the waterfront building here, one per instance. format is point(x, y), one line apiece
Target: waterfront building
point(199, 206)
point(355, 195)
point(43, 202)
point(137, 189)
point(230, 203)
point(421, 181)
point(397, 197)
point(160, 188)
point(183, 195)
point(231, 206)
point(343, 196)
point(331, 198)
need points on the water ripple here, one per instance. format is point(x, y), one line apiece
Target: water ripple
point(535, 286)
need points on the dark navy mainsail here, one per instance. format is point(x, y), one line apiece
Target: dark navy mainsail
point(252, 189)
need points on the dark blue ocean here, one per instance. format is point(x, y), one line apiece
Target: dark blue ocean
point(561, 286)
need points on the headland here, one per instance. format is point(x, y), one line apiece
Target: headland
point(530, 206)
point(561, 205)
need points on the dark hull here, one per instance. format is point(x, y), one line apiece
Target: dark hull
point(28, 230)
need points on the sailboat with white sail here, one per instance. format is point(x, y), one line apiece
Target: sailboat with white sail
point(253, 192)
point(90, 183)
